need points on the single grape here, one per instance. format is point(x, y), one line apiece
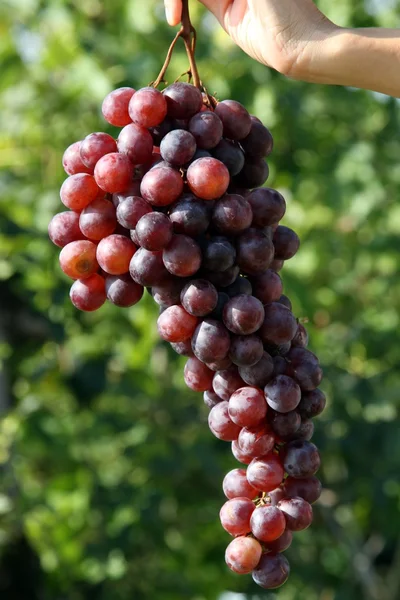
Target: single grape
point(260, 373)
point(305, 431)
point(284, 425)
point(308, 488)
point(282, 394)
point(147, 268)
point(94, 146)
point(147, 107)
point(198, 378)
point(220, 423)
point(210, 341)
point(218, 254)
point(268, 206)
point(64, 228)
point(286, 302)
point(281, 544)
point(312, 404)
point(190, 215)
point(113, 172)
point(267, 523)
point(258, 142)
point(300, 458)
point(183, 100)
point(178, 147)
point(256, 441)
point(78, 259)
point(154, 231)
point(161, 186)
point(235, 515)
point(199, 297)
point(175, 324)
point(267, 287)
point(208, 178)
point(182, 256)
point(241, 285)
point(72, 162)
point(78, 191)
point(88, 294)
point(243, 314)
point(243, 555)
point(277, 265)
point(206, 127)
point(298, 513)
point(231, 214)
point(265, 473)
point(272, 571)
point(97, 220)
point(235, 119)
point(135, 142)
point(255, 252)
point(286, 242)
point(279, 326)
point(182, 348)
point(222, 279)
point(211, 399)
point(168, 292)
point(231, 155)
point(114, 254)
point(304, 367)
point(115, 106)
point(240, 456)
point(254, 174)
point(276, 495)
point(122, 290)
point(246, 350)
point(131, 210)
point(226, 382)
point(300, 340)
point(235, 485)
point(247, 407)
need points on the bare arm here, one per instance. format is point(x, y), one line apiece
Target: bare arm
point(296, 39)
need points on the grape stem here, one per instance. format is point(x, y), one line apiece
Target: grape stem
point(188, 34)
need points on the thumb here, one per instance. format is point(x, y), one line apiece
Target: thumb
point(217, 7)
point(173, 11)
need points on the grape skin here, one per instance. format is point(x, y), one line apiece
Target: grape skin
point(88, 294)
point(243, 555)
point(235, 516)
point(115, 106)
point(123, 291)
point(78, 191)
point(64, 228)
point(220, 423)
point(198, 377)
point(243, 314)
point(267, 523)
point(114, 254)
point(72, 161)
point(247, 407)
point(265, 473)
point(78, 259)
point(208, 178)
point(272, 571)
point(235, 485)
point(175, 324)
point(226, 382)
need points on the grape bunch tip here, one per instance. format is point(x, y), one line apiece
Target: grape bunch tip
point(176, 205)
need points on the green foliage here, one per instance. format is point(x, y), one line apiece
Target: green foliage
point(110, 475)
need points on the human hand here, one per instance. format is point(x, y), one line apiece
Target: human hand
point(282, 34)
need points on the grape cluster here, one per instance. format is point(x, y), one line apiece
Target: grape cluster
point(175, 205)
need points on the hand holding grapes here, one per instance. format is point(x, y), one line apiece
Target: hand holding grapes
point(296, 39)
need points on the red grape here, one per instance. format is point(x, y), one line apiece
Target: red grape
point(88, 294)
point(175, 324)
point(220, 423)
point(258, 142)
point(247, 407)
point(235, 119)
point(243, 554)
point(148, 107)
point(235, 485)
point(210, 341)
point(94, 146)
point(161, 186)
point(226, 382)
point(267, 523)
point(190, 215)
point(64, 228)
point(97, 220)
point(265, 473)
point(279, 324)
point(114, 254)
point(208, 178)
point(113, 172)
point(147, 268)
point(312, 403)
point(308, 488)
point(178, 147)
point(199, 297)
point(182, 256)
point(300, 458)
point(78, 259)
point(115, 106)
point(210, 398)
point(154, 231)
point(235, 515)
point(267, 287)
point(281, 544)
point(198, 376)
point(72, 161)
point(206, 127)
point(282, 393)
point(131, 210)
point(255, 252)
point(78, 191)
point(183, 100)
point(231, 214)
point(231, 155)
point(257, 441)
point(298, 513)
point(286, 242)
point(136, 143)
point(260, 373)
point(246, 350)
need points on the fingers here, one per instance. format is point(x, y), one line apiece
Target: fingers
point(173, 11)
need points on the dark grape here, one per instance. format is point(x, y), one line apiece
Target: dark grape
point(88, 294)
point(231, 155)
point(190, 215)
point(114, 253)
point(178, 147)
point(210, 341)
point(154, 231)
point(182, 348)
point(308, 488)
point(280, 365)
point(246, 350)
point(300, 340)
point(255, 173)
point(222, 279)
point(279, 326)
point(286, 302)
point(268, 206)
point(78, 259)
point(94, 146)
point(161, 130)
point(235, 119)
point(64, 228)
point(277, 264)
point(247, 407)
point(267, 523)
point(241, 285)
point(243, 314)
point(300, 458)
point(312, 404)
point(136, 143)
point(258, 142)
point(284, 425)
point(265, 473)
point(272, 571)
point(218, 254)
point(97, 220)
point(260, 373)
point(281, 544)
point(115, 106)
point(220, 364)
point(208, 178)
point(235, 515)
point(122, 290)
point(198, 377)
point(183, 100)
point(304, 367)
point(243, 554)
point(226, 382)
point(298, 513)
point(168, 292)
point(161, 186)
point(199, 297)
point(211, 399)
point(130, 210)
point(235, 485)
point(231, 214)
point(220, 423)
point(282, 394)
point(286, 242)
point(147, 268)
point(305, 431)
point(206, 127)
point(182, 256)
point(267, 287)
point(147, 107)
point(255, 252)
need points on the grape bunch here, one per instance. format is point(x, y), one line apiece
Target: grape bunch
point(176, 205)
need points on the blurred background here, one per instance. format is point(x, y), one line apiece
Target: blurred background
point(110, 479)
